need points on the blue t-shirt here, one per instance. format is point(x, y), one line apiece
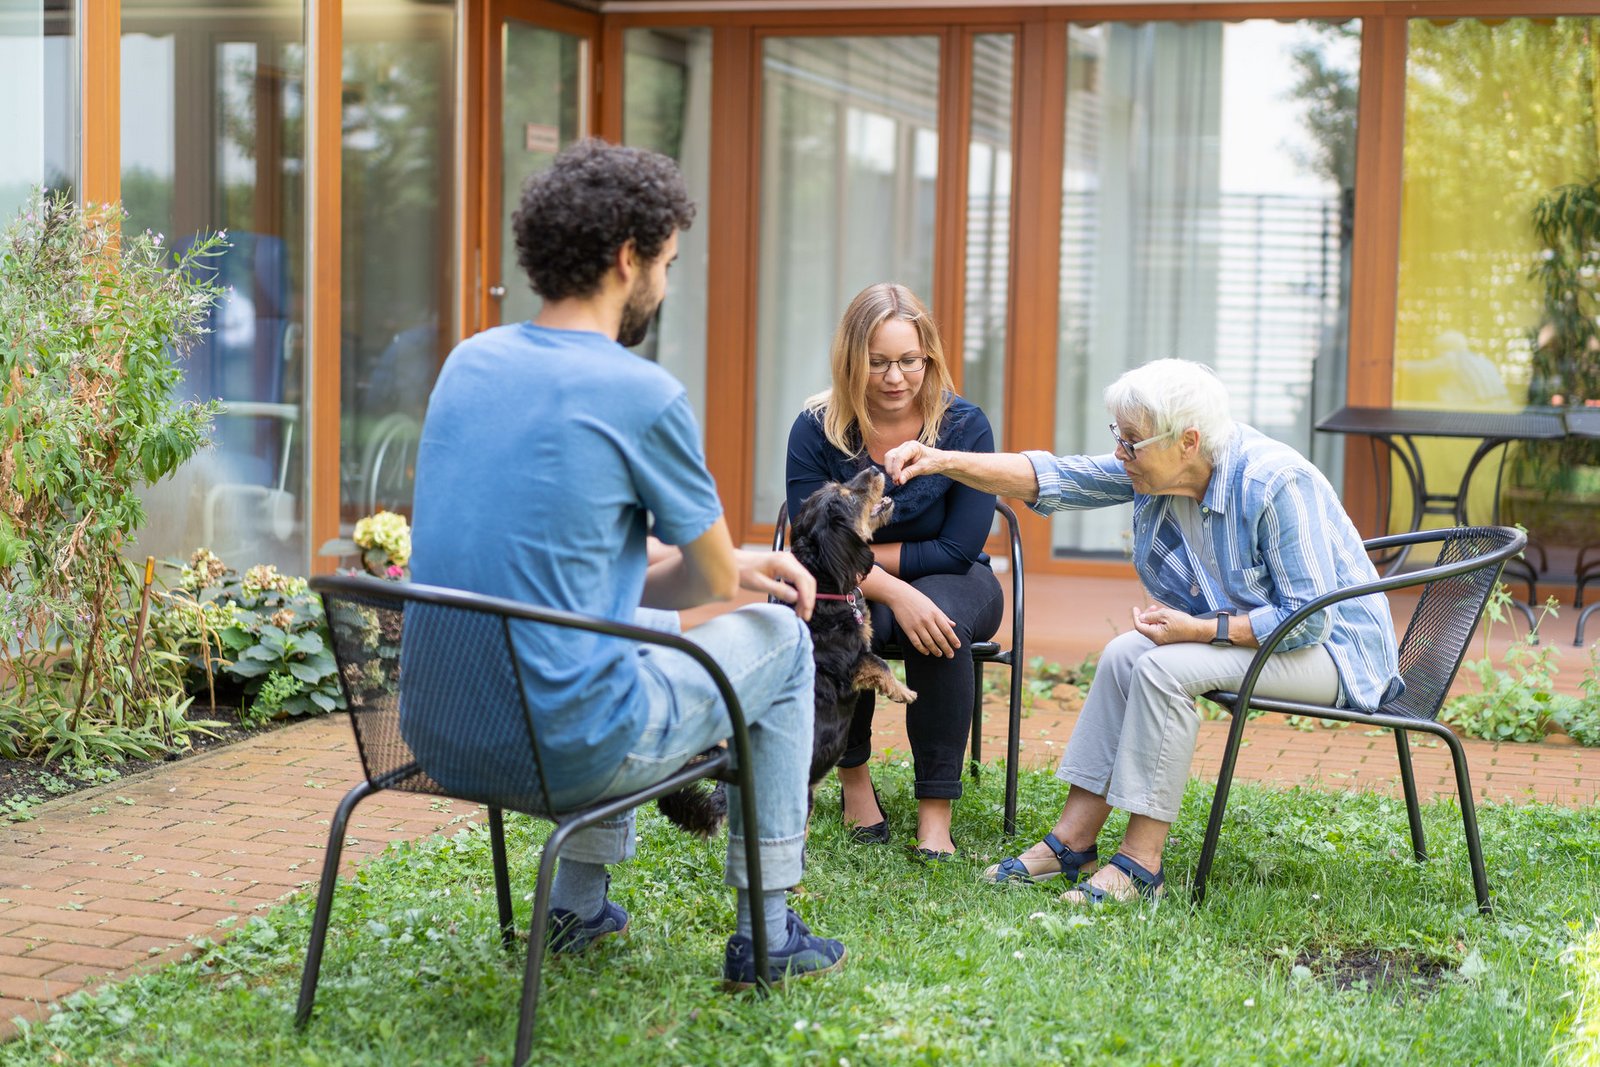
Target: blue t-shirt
point(546, 456)
point(940, 524)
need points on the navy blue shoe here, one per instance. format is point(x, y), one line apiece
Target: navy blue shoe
point(571, 935)
point(803, 955)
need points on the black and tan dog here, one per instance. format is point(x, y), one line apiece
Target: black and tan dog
point(830, 538)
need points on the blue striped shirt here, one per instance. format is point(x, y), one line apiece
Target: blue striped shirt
point(1285, 540)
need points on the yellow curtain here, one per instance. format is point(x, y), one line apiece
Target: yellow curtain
point(1496, 116)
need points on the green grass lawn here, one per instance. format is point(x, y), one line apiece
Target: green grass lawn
point(1321, 942)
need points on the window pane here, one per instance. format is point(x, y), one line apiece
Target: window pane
point(849, 158)
point(544, 85)
point(1492, 312)
point(398, 272)
point(988, 274)
point(666, 106)
point(213, 118)
point(39, 84)
point(1206, 201)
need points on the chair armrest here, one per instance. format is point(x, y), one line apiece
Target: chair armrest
point(1514, 544)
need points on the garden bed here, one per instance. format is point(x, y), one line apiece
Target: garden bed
point(25, 783)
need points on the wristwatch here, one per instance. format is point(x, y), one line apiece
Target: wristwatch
point(1222, 640)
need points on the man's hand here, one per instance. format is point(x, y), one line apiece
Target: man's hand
point(780, 575)
point(1166, 626)
point(906, 461)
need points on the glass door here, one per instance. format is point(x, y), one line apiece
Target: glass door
point(541, 100)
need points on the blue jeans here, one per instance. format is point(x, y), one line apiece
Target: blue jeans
point(765, 650)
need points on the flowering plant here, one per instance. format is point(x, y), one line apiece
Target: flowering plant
point(385, 543)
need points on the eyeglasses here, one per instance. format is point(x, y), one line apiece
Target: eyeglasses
point(907, 364)
point(1132, 447)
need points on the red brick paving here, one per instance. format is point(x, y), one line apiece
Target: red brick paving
point(114, 880)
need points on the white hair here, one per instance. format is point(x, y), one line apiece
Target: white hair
point(1168, 396)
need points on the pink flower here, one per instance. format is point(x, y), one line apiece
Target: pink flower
point(395, 572)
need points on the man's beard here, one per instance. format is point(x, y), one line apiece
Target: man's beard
point(636, 315)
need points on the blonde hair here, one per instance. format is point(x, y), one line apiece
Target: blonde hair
point(843, 408)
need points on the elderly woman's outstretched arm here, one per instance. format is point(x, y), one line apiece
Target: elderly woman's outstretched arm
point(1001, 473)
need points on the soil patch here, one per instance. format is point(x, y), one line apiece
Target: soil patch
point(1405, 972)
point(26, 783)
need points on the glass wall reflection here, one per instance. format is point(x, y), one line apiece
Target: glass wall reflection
point(1206, 205)
point(213, 131)
point(39, 120)
point(849, 161)
point(397, 237)
point(545, 89)
point(988, 267)
point(666, 106)
point(1497, 298)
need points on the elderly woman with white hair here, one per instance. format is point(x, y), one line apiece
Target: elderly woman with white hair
point(1232, 532)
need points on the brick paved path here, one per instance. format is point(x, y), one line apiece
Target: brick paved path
point(112, 880)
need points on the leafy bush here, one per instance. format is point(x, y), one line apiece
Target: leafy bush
point(1515, 704)
point(92, 322)
point(1581, 718)
point(261, 629)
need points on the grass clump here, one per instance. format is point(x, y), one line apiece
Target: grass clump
point(1320, 942)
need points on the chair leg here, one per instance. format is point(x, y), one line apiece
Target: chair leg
point(1013, 741)
point(977, 720)
point(1469, 820)
point(744, 773)
point(538, 929)
point(330, 878)
point(1408, 783)
point(1219, 802)
point(502, 878)
point(1577, 638)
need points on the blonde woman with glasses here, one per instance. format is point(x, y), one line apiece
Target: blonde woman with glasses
point(931, 591)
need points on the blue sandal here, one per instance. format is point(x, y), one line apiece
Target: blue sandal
point(1072, 864)
point(1141, 883)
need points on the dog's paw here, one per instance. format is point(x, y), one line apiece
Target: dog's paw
point(901, 695)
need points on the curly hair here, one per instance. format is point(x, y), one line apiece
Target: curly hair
point(592, 201)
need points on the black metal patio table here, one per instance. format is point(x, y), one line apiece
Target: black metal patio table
point(1398, 429)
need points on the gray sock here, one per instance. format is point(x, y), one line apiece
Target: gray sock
point(775, 909)
point(579, 888)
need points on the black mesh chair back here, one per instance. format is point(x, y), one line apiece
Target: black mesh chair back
point(983, 652)
point(1455, 589)
point(1446, 615)
point(437, 705)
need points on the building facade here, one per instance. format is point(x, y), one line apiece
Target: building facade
point(1331, 203)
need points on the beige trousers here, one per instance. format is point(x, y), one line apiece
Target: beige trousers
point(1136, 734)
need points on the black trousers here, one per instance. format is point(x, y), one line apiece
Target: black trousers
point(939, 722)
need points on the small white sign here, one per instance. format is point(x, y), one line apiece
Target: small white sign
point(538, 137)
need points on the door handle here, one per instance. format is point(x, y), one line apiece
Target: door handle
point(497, 292)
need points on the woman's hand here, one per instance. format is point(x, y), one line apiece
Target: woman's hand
point(929, 630)
point(906, 461)
point(1166, 626)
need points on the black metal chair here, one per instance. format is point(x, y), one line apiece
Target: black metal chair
point(983, 652)
point(1454, 591)
point(476, 672)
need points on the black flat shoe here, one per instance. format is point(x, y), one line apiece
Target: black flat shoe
point(933, 855)
point(876, 834)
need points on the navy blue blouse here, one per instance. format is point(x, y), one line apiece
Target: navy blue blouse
point(940, 524)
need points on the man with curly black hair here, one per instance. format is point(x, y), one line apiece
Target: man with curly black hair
point(558, 468)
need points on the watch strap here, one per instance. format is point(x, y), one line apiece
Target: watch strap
point(1223, 619)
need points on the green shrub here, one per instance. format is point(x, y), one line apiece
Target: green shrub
point(92, 323)
point(262, 630)
point(1517, 703)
